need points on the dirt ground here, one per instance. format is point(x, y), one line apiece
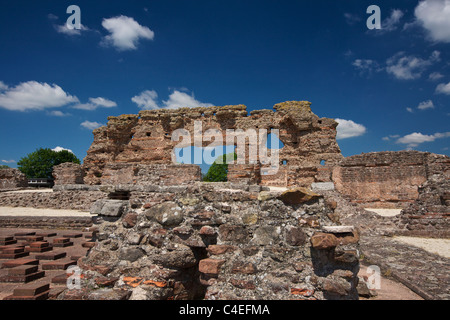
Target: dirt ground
point(389, 289)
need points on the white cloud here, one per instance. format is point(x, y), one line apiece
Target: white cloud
point(90, 125)
point(414, 139)
point(125, 33)
point(180, 99)
point(434, 17)
point(392, 136)
point(410, 110)
point(148, 100)
point(102, 102)
point(409, 67)
point(95, 103)
point(426, 105)
point(33, 95)
point(435, 76)
point(59, 149)
point(443, 88)
point(9, 161)
point(349, 129)
point(57, 113)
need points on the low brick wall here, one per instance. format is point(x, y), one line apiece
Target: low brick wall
point(70, 200)
point(46, 222)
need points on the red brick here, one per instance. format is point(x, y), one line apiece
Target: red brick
point(61, 240)
point(19, 262)
point(210, 266)
point(31, 290)
point(58, 265)
point(39, 244)
point(23, 270)
point(51, 256)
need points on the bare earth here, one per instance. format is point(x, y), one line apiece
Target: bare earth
point(437, 246)
point(31, 212)
point(390, 290)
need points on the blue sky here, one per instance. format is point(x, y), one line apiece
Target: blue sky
point(388, 88)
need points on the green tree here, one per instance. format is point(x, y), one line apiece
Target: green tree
point(3, 167)
point(219, 169)
point(39, 164)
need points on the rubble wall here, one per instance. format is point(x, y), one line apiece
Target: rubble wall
point(206, 241)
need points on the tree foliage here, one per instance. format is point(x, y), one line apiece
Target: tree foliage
point(39, 164)
point(219, 169)
point(3, 167)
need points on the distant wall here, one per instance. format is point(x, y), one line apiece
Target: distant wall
point(12, 179)
point(68, 173)
point(150, 174)
point(387, 179)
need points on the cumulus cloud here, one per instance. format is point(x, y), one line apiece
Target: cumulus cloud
point(95, 103)
point(91, 125)
point(434, 17)
point(33, 95)
point(443, 88)
point(148, 100)
point(415, 139)
point(409, 67)
point(59, 149)
point(125, 33)
point(349, 129)
point(180, 99)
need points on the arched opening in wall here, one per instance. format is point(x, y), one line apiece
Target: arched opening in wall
point(206, 157)
point(322, 162)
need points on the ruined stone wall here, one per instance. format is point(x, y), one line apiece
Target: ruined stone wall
point(387, 179)
point(150, 174)
point(429, 215)
point(204, 241)
point(12, 179)
point(68, 173)
point(74, 199)
point(146, 138)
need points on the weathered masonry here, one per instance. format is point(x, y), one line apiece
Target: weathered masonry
point(132, 144)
